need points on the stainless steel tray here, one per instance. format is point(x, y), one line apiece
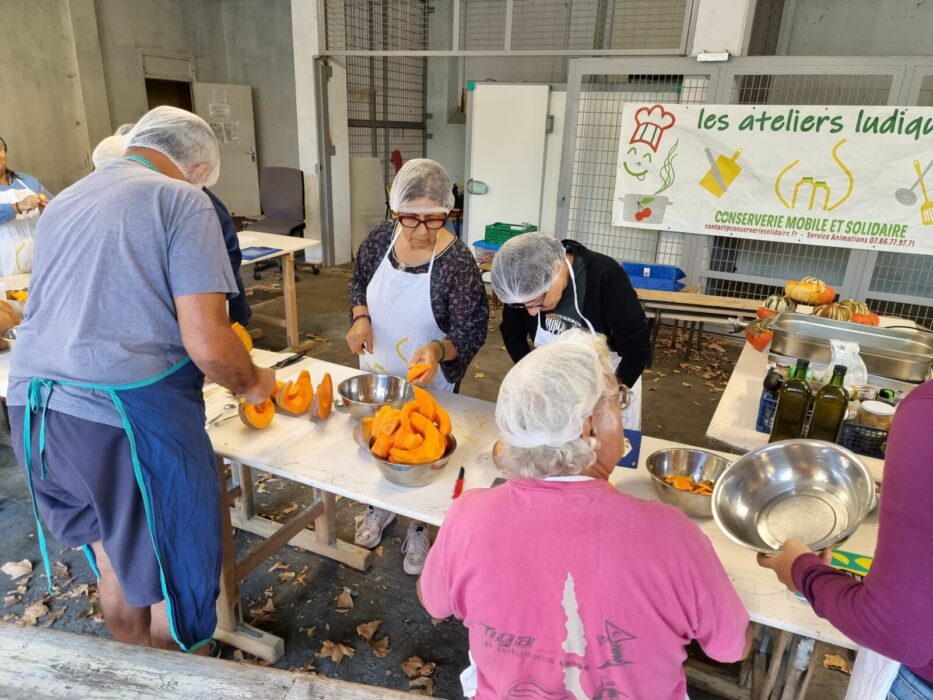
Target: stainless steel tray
point(904, 355)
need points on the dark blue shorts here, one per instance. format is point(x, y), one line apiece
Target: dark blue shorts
point(90, 493)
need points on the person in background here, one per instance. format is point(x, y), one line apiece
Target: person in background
point(416, 297)
point(550, 286)
point(891, 611)
point(569, 588)
point(111, 148)
point(22, 199)
point(126, 316)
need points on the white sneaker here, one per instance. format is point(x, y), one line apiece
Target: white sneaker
point(415, 547)
point(369, 526)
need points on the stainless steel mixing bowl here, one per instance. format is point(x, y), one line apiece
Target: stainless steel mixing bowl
point(416, 474)
point(9, 335)
point(681, 461)
point(810, 490)
point(365, 394)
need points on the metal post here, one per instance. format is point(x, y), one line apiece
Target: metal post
point(322, 73)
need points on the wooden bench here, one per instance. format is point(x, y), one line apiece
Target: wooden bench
point(44, 663)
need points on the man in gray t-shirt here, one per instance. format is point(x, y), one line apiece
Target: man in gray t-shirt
point(126, 314)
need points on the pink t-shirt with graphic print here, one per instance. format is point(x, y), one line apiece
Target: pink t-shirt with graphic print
point(574, 590)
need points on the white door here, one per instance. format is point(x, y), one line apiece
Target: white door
point(506, 153)
point(229, 111)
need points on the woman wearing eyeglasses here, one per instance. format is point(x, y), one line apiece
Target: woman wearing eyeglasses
point(416, 297)
point(550, 286)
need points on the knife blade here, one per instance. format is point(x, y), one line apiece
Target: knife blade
point(292, 359)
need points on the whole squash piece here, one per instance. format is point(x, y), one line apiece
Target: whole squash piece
point(775, 304)
point(324, 398)
point(836, 312)
point(810, 290)
point(860, 312)
point(256, 415)
point(296, 397)
point(8, 316)
point(758, 333)
point(243, 335)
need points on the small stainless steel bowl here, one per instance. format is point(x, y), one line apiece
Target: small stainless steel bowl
point(809, 490)
point(681, 461)
point(9, 335)
point(365, 394)
point(415, 474)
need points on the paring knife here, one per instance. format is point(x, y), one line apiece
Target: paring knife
point(290, 360)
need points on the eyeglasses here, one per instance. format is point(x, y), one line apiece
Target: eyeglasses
point(623, 396)
point(530, 305)
point(432, 224)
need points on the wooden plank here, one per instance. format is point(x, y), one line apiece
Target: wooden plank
point(714, 680)
point(271, 320)
point(777, 656)
point(291, 302)
point(44, 663)
point(697, 299)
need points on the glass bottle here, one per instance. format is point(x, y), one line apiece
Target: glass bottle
point(793, 402)
point(829, 408)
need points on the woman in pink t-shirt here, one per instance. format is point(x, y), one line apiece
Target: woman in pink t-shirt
point(569, 588)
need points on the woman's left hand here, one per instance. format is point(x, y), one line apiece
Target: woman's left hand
point(782, 563)
point(428, 354)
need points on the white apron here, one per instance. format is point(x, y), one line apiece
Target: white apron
point(16, 235)
point(631, 416)
point(402, 319)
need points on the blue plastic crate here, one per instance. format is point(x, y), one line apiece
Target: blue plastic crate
point(653, 276)
point(767, 407)
point(864, 440)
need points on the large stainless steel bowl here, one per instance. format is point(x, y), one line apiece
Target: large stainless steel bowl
point(365, 394)
point(415, 474)
point(809, 490)
point(680, 461)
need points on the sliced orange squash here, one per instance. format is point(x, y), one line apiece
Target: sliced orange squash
point(256, 415)
point(243, 335)
point(296, 397)
point(417, 370)
point(324, 399)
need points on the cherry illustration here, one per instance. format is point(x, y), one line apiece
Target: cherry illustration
point(639, 215)
point(646, 212)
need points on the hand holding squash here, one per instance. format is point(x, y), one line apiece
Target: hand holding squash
point(426, 359)
point(263, 385)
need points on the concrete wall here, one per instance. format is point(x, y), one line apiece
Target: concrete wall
point(68, 80)
point(856, 28)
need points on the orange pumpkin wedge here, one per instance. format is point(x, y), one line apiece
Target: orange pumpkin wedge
point(278, 388)
point(243, 335)
point(256, 415)
point(426, 403)
point(441, 420)
point(296, 397)
point(324, 399)
point(417, 370)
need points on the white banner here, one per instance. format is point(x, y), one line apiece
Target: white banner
point(853, 177)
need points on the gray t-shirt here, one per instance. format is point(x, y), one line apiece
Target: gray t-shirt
point(112, 252)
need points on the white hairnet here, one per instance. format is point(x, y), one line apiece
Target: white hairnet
point(545, 398)
point(182, 137)
point(524, 267)
point(422, 177)
point(124, 129)
point(107, 150)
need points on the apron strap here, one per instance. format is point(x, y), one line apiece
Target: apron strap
point(576, 302)
point(36, 403)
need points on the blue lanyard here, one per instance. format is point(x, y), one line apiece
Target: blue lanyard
point(140, 159)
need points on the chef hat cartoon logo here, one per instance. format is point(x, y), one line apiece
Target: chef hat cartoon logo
point(650, 125)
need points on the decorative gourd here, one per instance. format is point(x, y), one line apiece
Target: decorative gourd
point(836, 312)
point(758, 333)
point(296, 397)
point(243, 335)
point(8, 316)
point(775, 304)
point(417, 370)
point(324, 398)
point(256, 415)
point(810, 290)
point(860, 312)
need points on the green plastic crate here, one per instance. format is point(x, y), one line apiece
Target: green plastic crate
point(498, 233)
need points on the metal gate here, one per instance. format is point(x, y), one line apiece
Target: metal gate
point(892, 283)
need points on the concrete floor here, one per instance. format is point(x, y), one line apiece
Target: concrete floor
point(681, 396)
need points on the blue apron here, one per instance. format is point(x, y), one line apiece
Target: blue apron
point(176, 471)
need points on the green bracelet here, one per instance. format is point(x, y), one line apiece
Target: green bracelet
point(440, 344)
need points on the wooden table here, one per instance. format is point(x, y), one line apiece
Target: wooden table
point(286, 247)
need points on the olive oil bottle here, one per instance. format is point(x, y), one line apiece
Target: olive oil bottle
point(829, 408)
point(793, 402)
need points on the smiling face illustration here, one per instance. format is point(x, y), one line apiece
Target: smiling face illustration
point(637, 161)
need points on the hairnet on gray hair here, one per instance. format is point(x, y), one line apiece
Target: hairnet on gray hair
point(107, 150)
point(525, 266)
point(182, 137)
point(124, 129)
point(543, 403)
point(421, 177)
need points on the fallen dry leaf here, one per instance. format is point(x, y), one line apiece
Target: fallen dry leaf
point(11, 599)
point(59, 570)
point(287, 576)
point(33, 612)
point(302, 576)
point(380, 647)
point(335, 651)
point(289, 509)
point(379, 550)
point(53, 617)
point(421, 686)
point(310, 631)
point(415, 666)
point(687, 384)
point(75, 592)
point(344, 601)
point(479, 375)
point(834, 662)
point(15, 569)
point(278, 565)
point(367, 629)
